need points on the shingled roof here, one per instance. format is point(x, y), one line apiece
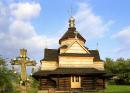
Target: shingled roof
point(96, 55)
point(64, 46)
point(71, 34)
point(69, 71)
point(50, 55)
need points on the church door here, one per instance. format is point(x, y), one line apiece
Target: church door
point(75, 82)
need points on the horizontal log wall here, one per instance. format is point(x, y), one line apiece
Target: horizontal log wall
point(91, 83)
point(86, 83)
point(64, 83)
point(49, 65)
point(46, 83)
point(100, 84)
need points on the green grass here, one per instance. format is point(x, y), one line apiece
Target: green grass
point(117, 89)
point(109, 89)
point(32, 90)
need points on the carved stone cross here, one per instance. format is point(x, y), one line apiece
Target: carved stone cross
point(23, 61)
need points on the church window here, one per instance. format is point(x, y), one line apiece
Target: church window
point(72, 78)
point(75, 82)
point(77, 78)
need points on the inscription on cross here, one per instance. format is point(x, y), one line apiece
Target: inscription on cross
point(23, 61)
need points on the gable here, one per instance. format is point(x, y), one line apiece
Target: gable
point(76, 47)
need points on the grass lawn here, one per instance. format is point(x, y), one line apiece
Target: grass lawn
point(32, 90)
point(117, 89)
point(110, 89)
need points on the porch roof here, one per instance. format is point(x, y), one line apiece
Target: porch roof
point(69, 71)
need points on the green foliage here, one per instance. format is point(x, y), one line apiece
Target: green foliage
point(9, 81)
point(120, 68)
point(7, 77)
point(34, 86)
point(34, 83)
point(2, 61)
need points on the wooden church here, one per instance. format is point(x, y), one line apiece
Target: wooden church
point(72, 68)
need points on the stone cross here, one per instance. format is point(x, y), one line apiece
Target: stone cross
point(23, 61)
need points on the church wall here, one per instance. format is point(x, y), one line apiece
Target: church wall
point(70, 41)
point(46, 83)
point(99, 65)
point(75, 61)
point(87, 83)
point(49, 65)
point(80, 62)
point(64, 83)
point(91, 83)
point(100, 84)
point(62, 50)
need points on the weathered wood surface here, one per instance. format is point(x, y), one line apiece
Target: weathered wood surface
point(64, 84)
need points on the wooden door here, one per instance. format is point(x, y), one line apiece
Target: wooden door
point(75, 82)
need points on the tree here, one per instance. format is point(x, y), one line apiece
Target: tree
point(108, 64)
point(121, 68)
point(7, 77)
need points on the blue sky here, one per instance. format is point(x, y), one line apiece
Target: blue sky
point(35, 24)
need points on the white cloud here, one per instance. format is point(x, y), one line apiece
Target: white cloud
point(4, 17)
point(25, 11)
point(91, 25)
point(21, 29)
point(123, 37)
point(19, 32)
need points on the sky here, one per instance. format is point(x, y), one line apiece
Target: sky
point(36, 24)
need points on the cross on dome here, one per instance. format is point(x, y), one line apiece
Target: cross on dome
point(71, 22)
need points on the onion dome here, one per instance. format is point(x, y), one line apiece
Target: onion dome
point(71, 32)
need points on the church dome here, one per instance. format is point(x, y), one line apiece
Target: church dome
point(71, 33)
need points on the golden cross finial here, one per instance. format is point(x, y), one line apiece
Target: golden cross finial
point(70, 10)
point(71, 20)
